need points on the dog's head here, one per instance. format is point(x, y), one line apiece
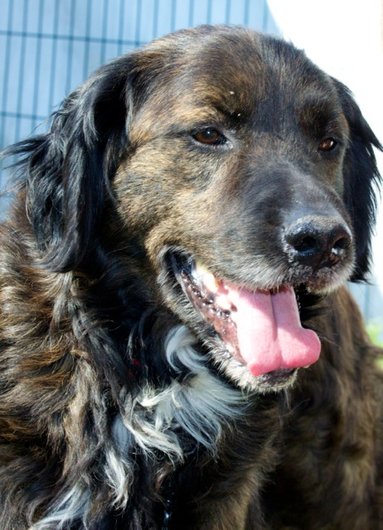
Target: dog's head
point(237, 175)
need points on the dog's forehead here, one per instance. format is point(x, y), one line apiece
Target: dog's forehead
point(230, 70)
point(223, 68)
point(246, 61)
point(233, 71)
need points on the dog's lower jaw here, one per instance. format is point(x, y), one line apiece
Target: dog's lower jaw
point(239, 375)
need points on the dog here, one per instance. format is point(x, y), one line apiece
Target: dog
point(178, 347)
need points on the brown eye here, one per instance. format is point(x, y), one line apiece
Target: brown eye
point(209, 136)
point(327, 144)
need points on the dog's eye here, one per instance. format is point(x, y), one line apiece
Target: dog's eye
point(209, 136)
point(327, 144)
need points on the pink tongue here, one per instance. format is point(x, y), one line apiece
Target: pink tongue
point(269, 332)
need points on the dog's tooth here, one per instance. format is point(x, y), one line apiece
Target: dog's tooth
point(207, 278)
point(200, 269)
point(210, 282)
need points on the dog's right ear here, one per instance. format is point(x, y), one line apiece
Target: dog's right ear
point(361, 177)
point(67, 172)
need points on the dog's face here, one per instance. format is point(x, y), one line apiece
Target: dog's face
point(237, 175)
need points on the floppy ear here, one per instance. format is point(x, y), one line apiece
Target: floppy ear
point(360, 173)
point(68, 170)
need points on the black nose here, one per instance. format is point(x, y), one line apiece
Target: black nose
point(317, 241)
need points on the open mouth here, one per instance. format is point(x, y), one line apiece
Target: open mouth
point(260, 329)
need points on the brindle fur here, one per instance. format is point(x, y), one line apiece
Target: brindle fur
point(92, 432)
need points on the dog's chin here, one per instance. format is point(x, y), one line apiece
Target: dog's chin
point(237, 343)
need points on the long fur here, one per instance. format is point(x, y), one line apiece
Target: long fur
point(120, 408)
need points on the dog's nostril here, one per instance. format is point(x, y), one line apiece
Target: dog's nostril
point(341, 244)
point(305, 245)
point(317, 244)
